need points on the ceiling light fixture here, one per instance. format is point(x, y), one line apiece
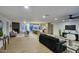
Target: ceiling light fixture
point(24, 22)
point(63, 20)
point(56, 19)
point(26, 7)
point(44, 16)
point(70, 19)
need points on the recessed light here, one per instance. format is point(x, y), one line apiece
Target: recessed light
point(55, 19)
point(44, 16)
point(63, 20)
point(26, 7)
point(24, 22)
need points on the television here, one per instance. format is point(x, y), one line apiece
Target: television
point(70, 27)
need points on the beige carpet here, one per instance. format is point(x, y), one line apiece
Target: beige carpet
point(28, 44)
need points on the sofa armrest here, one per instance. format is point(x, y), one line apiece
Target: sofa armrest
point(61, 42)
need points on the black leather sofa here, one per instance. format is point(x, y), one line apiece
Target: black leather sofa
point(52, 43)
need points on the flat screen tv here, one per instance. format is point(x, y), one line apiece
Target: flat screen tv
point(70, 27)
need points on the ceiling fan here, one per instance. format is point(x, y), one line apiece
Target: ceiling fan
point(70, 18)
point(73, 17)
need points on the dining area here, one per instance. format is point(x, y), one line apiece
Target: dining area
point(5, 41)
point(4, 38)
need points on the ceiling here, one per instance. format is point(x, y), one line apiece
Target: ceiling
point(35, 13)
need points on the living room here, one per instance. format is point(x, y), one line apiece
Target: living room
point(46, 23)
point(39, 29)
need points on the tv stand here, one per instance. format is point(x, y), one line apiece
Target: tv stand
point(76, 35)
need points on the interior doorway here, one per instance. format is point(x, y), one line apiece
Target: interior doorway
point(16, 26)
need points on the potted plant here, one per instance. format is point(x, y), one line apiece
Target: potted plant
point(1, 34)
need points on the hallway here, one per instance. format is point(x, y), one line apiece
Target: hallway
point(28, 44)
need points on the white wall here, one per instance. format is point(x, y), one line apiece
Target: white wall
point(61, 26)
